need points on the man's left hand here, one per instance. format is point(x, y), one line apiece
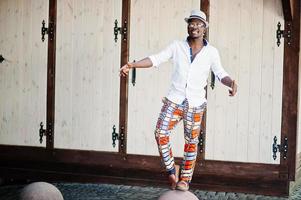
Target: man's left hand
point(233, 89)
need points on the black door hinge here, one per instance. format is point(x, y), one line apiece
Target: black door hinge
point(45, 132)
point(49, 31)
point(120, 30)
point(118, 136)
point(201, 141)
point(286, 33)
point(282, 148)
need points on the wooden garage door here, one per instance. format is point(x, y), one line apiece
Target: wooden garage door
point(242, 128)
point(23, 73)
point(87, 78)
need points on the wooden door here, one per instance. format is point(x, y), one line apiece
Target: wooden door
point(154, 25)
point(23, 73)
point(87, 74)
point(242, 128)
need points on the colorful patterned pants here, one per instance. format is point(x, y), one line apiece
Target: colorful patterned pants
point(170, 115)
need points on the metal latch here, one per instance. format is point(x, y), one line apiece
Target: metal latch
point(49, 30)
point(281, 148)
point(116, 136)
point(284, 33)
point(120, 30)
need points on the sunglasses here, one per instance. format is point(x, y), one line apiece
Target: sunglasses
point(198, 25)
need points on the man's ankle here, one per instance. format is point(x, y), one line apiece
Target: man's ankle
point(172, 171)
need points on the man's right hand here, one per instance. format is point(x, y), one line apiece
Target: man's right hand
point(124, 70)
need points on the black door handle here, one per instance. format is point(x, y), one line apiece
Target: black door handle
point(134, 76)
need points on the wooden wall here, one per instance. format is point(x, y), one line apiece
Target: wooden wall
point(242, 128)
point(23, 74)
point(87, 82)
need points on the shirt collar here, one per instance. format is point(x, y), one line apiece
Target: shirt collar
point(204, 41)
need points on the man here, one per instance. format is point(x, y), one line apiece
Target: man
point(193, 59)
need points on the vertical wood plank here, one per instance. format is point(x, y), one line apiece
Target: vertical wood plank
point(277, 79)
point(243, 78)
point(299, 106)
point(123, 101)
point(267, 82)
point(211, 96)
point(290, 91)
point(51, 76)
point(205, 7)
point(230, 103)
point(255, 81)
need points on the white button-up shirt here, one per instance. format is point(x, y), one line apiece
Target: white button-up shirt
point(189, 78)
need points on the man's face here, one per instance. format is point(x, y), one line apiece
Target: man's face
point(196, 28)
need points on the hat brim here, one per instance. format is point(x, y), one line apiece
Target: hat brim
point(206, 23)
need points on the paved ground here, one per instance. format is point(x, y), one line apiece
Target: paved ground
point(74, 191)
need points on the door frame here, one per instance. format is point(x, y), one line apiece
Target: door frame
point(289, 120)
point(123, 107)
point(51, 60)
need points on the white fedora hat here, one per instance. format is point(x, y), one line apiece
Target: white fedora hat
point(197, 14)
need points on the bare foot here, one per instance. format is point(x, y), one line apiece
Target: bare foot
point(174, 178)
point(172, 181)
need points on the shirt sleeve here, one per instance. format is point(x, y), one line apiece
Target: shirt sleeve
point(217, 67)
point(162, 56)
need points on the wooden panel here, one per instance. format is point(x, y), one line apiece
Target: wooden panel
point(51, 60)
point(152, 29)
point(287, 9)
point(87, 74)
point(244, 74)
point(255, 84)
point(86, 166)
point(299, 105)
point(290, 90)
point(23, 74)
point(242, 128)
point(266, 83)
point(123, 102)
point(278, 73)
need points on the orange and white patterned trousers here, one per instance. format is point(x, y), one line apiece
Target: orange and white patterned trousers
point(170, 115)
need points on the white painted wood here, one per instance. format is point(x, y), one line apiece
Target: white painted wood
point(267, 82)
point(255, 84)
point(87, 75)
point(243, 73)
point(154, 24)
point(23, 74)
point(242, 128)
point(277, 80)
